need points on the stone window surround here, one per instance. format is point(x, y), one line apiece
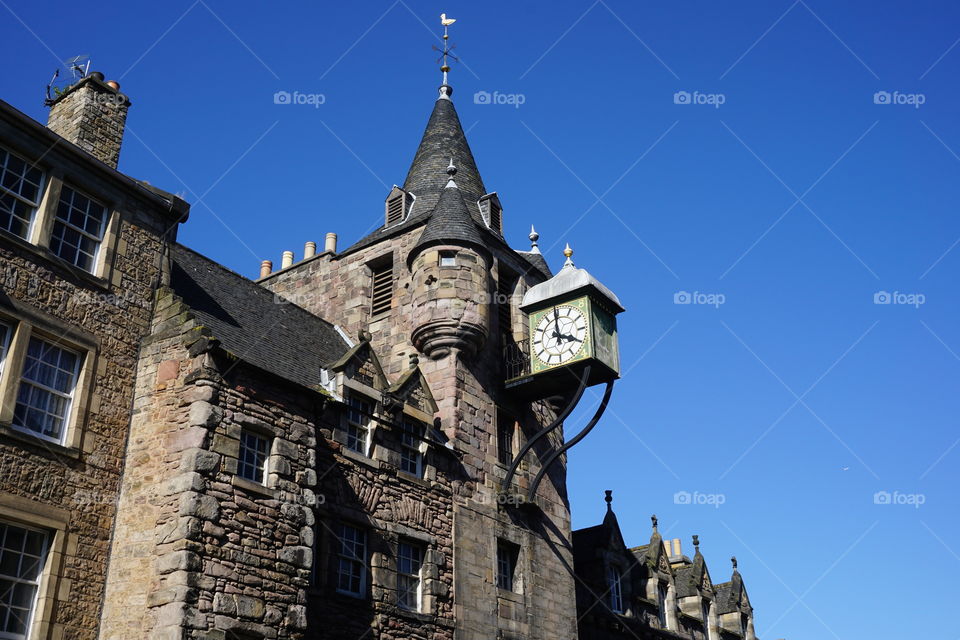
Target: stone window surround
point(514, 536)
point(230, 462)
point(371, 395)
point(25, 324)
point(41, 227)
point(382, 540)
point(24, 512)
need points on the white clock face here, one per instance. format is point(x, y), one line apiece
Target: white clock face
point(559, 335)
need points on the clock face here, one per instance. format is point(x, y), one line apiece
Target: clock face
point(559, 335)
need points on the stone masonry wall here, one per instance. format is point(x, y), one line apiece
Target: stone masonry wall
point(204, 552)
point(468, 390)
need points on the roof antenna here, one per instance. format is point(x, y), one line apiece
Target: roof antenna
point(445, 89)
point(79, 67)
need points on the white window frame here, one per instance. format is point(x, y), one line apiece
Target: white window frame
point(615, 589)
point(416, 432)
point(55, 220)
point(36, 206)
point(70, 397)
point(351, 559)
point(365, 423)
point(418, 576)
point(264, 467)
point(37, 584)
point(5, 343)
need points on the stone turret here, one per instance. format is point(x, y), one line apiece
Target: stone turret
point(450, 268)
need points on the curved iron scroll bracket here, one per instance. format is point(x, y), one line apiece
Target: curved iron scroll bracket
point(505, 485)
point(580, 436)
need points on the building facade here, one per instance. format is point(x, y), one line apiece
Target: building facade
point(318, 453)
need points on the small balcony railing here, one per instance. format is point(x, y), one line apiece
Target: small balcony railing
point(516, 358)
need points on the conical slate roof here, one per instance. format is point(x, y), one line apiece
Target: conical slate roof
point(442, 139)
point(450, 223)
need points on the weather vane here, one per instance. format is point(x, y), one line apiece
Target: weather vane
point(445, 52)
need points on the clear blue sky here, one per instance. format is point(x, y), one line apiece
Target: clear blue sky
point(797, 200)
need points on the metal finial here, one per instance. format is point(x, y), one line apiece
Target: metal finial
point(608, 498)
point(654, 520)
point(696, 542)
point(733, 561)
point(534, 236)
point(451, 171)
point(569, 253)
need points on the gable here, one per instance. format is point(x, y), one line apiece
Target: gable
point(361, 365)
point(412, 389)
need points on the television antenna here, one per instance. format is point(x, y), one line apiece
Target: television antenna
point(78, 68)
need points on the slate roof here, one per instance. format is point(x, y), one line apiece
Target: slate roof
point(450, 223)
point(537, 261)
point(686, 580)
point(280, 338)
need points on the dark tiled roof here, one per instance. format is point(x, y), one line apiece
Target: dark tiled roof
point(686, 581)
point(280, 338)
point(450, 223)
point(537, 261)
point(444, 139)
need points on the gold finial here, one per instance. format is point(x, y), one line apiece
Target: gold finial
point(568, 251)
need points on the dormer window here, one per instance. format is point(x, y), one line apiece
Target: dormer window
point(492, 212)
point(397, 206)
point(615, 589)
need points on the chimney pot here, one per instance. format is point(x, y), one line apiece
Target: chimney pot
point(287, 259)
point(113, 84)
point(265, 268)
point(330, 243)
point(309, 250)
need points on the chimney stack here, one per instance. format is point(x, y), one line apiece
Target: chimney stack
point(91, 114)
point(330, 244)
point(309, 250)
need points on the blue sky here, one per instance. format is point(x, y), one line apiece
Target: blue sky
point(811, 164)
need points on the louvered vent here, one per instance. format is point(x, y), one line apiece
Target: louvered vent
point(395, 209)
point(382, 295)
point(492, 214)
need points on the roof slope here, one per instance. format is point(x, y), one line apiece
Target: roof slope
point(251, 323)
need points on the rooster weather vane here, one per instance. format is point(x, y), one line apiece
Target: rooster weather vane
point(447, 47)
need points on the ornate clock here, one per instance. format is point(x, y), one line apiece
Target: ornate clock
point(572, 324)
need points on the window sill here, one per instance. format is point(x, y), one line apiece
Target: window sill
point(23, 437)
point(416, 616)
point(55, 261)
point(414, 479)
point(253, 487)
point(511, 596)
point(360, 458)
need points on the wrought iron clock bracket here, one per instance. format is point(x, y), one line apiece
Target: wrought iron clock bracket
point(505, 485)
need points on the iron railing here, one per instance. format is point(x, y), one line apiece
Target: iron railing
point(516, 358)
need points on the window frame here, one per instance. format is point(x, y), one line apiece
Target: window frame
point(264, 466)
point(41, 190)
point(505, 455)
point(415, 444)
point(5, 342)
point(55, 219)
point(615, 589)
point(352, 560)
point(71, 398)
point(366, 423)
point(44, 559)
point(450, 257)
point(417, 576)
point(508, 555)
point(662, 604)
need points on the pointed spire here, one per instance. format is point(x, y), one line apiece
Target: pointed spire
point(534, 236)
point(450, 222)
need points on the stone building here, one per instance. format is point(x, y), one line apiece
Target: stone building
point(319, 453)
